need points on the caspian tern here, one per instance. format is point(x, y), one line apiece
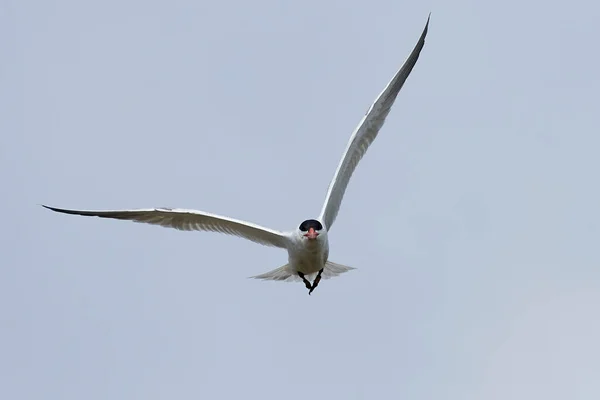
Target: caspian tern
point(308, 245)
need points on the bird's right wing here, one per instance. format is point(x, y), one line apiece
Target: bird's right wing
point(365, 133)
point(191, 220)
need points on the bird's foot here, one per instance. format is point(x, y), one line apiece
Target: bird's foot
point(316, 282)
point(306, 282)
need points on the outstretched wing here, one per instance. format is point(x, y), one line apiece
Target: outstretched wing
point(364, 134)
point(191, 220)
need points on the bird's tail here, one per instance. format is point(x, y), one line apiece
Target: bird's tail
point(288, 274)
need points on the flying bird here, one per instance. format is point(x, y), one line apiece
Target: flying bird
point(307, 245)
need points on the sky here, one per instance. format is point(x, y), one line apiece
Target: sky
point(473, 219)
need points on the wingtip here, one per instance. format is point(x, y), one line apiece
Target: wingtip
point(51, 208)
point(425, 29)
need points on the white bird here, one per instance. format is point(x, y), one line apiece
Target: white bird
point(308, 245)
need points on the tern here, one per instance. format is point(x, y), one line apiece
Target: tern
point(307, 245)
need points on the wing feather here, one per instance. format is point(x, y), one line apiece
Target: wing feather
point(191, 220)
point(365, 133)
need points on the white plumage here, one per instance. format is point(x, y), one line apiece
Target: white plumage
point(308, 245)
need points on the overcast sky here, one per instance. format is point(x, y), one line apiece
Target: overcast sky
point(473, 219)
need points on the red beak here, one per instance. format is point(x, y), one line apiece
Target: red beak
point(312, 234)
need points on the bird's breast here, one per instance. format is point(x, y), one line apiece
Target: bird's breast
point(309, 256)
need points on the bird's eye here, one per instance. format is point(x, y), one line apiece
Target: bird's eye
point(310, 223)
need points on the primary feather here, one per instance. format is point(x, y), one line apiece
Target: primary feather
point(191, 220)
point(364, 134)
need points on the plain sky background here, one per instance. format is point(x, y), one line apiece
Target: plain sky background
point(473, 219)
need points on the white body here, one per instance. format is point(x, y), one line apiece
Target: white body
point(309, 256)
point(306, 256)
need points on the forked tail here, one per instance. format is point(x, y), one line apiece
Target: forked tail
point(288, 274)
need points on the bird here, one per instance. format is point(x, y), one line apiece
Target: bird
point(307, 245)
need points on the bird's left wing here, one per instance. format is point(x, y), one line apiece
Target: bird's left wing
point(364, 134)
point(191, 220)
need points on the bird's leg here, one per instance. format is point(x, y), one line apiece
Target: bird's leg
point(316, 282)
point(306, 282)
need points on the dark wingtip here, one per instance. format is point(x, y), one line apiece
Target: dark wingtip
point(52, 208)
point(59, 210)
point(424, 33)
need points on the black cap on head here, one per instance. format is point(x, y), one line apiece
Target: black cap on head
point(310, 223)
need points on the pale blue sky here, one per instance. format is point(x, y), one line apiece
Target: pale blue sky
point(473, 219)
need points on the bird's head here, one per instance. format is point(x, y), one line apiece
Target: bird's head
point(311, 229)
